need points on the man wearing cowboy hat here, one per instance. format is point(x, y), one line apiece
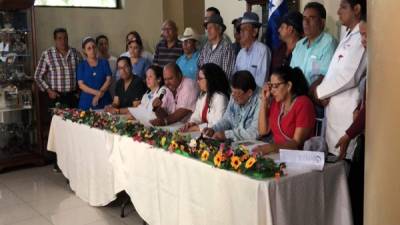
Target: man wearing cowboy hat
point(188, 61)
point(254, 56)
point(217, 50)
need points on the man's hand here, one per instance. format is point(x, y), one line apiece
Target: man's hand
point(342, 144)
point(157, 122)
point(52, 94)
point(220, 136)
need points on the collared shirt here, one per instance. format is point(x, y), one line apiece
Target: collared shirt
point(223, 55)
point(240, 122)
point(185, 97)
point(164, 55)
point(189, 65)
point(315, 59)
point(256, 60)
point(57, 72)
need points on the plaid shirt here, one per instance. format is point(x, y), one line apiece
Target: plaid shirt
point(57, 72)
point(223, 55)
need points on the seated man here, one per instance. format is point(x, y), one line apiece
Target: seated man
point(240, 121)
point(180, 99)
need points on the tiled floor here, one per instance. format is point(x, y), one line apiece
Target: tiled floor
point(37, 196)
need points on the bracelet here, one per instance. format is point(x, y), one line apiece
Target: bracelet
point(165, 122)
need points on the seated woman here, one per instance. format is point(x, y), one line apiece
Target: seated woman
point(94, 78)
point(155, 84)
point(212, 102)
point(129, 89)
point(290, 115)
point(240, 119)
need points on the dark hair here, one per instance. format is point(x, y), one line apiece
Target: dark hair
point(158, 71)
point(59, 30)
point(295, 76)
point(175, 68)
point(87, 40)
point(137, 36)
point(100, 37)
point(135, 41)
point(127, 60)
point(243, 80)
point(317, 7)
point(216, 80)
point(214, 10)
point(363, 6)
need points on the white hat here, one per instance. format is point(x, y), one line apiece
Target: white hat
point(189, 33)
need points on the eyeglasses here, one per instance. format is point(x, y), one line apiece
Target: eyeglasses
point(274, 85)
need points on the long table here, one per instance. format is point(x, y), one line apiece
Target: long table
point(171, 189)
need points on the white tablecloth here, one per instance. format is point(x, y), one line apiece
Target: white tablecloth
point(171, 189)
point(83, 157)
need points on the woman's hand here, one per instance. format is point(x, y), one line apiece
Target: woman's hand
point(209, 132)
point(135, 103)
point(95, 100)
point(266, 93)
point(264, 149)
point(157, 103)
point(186, 127)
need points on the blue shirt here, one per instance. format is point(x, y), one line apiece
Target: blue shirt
point(188, 65)
point(315, 59)
point(93, 77)
point(240, 122)
point(256, 60)
point(139, 69)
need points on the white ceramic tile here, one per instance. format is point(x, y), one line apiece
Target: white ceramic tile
point(108, 221)
point(34, 221)
point(57, 204)
point(35, 190)
point(7, 198)
point(16, 213)
point(77, 216)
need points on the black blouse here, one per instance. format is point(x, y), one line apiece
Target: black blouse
point(134, 92)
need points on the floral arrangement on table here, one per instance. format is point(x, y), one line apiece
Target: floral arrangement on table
point(212, 152)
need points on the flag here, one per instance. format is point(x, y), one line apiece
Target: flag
point(277, 9)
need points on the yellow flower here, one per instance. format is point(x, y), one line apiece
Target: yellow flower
point(218, 159)
point(250, 162)
point(82, 114)
point(163, 140)
point(205, 155)
point(235, 162)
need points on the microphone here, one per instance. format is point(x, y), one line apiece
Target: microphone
point(163, 92)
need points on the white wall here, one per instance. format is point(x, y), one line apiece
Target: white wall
point(143, 16)
point(230, 9)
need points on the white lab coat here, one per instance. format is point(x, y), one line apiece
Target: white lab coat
point(347, 67)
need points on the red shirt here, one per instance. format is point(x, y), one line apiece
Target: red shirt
point(302, 114)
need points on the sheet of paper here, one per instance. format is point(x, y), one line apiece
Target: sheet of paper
point(305, 160)
point(142, 115)
point(172, 127)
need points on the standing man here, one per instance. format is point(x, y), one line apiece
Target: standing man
point(254, 56)
point(169, 48)
point(217, 50)
point(56, 71)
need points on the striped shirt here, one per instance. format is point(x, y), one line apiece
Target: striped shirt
point(56, 72)
point(164, 55)
point(223, 55)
